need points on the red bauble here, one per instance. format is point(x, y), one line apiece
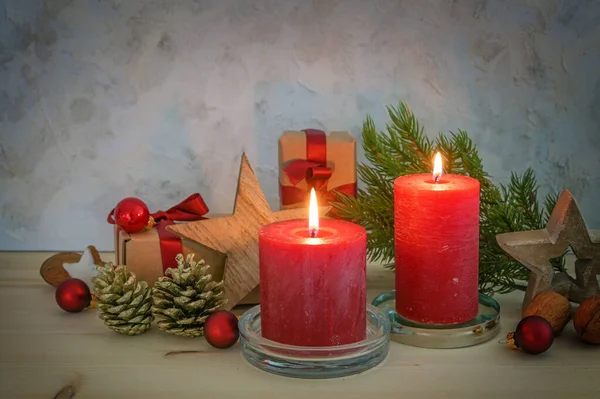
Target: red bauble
point(132, 215)
point(534, 335)
point(73, 295)
point(221, 329)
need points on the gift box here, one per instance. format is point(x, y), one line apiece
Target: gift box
point(141, 253)
point(314, 159)
point(149, 253)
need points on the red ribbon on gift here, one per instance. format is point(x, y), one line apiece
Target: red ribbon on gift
point(314, 170)
point(191, 209)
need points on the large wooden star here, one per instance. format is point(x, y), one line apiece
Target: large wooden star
point(534, 249)
point(236, 236)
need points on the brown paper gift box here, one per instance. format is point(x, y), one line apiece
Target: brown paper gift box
point(341, 158)
point(141, 253)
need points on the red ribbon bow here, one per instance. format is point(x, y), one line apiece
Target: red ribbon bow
point(314, 170)
point(191, 209)
point(315, 175)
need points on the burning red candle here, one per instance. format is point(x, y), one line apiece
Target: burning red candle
point(313, 281)
point(436, 220)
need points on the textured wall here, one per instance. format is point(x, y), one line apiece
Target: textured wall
point(104, 99)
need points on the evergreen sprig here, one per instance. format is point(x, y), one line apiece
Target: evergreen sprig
point(404, 148)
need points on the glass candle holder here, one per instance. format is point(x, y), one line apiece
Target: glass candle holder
point(315, 362)
point(482, 328)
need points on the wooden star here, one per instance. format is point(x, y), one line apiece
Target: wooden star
point(236, 236)
point(534, 249)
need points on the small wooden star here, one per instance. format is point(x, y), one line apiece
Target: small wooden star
point(236, 236)
point(534, 249)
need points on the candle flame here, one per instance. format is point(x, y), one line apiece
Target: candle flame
point(313, 214)
point(437, 167)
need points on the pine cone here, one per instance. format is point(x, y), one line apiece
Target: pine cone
point(185, 297)
point(124, 303)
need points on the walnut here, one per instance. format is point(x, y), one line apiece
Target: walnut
point(587, 320)
point(553, 307)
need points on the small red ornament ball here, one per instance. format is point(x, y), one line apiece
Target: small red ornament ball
point(73, 295)
point(221, 329)
point(132, 215)
point(534, 335)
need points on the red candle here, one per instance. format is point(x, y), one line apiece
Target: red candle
point(436, 222)
point(313, 282)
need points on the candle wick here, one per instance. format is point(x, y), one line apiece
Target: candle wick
point(313, 233)
point(436, 178)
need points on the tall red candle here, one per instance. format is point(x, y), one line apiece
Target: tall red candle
point(437, 248)
point(313, 289)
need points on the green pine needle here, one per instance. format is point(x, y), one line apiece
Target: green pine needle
point(403, 148)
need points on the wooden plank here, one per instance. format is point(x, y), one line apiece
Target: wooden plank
point(44, 348)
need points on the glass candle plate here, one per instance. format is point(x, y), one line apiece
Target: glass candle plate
point(481, 329)
point(315, 362)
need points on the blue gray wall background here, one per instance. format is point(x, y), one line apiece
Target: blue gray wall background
point(100, 100)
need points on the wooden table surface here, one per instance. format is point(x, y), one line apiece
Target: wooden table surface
point(44, 348)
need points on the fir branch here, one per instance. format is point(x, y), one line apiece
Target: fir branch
point(403, 148)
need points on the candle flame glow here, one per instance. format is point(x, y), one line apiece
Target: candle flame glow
point(313, 214)
point(437, 167)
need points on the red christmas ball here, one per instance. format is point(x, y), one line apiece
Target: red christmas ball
point(132, 215)
point(73, 295)
point(221, 329)
point(534, 335)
